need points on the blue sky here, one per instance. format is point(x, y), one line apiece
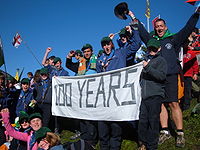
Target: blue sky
point(65, 25)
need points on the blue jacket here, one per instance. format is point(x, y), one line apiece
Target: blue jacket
point(134, 44)
point(53, 71)
point(118, 57)
point(23, 100)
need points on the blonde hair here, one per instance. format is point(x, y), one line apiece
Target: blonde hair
point(52, 138)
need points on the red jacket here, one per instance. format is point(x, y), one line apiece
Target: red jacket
point(190, 64)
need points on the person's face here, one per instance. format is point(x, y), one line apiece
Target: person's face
point(44, 144)
point(160, 28)
point(77, 57)
point(10, 84)
point(58, 65)
point(51, 62)
point(25, 124)
point(25, 87)
point(36, 124)
point(87, 53)
point(107, 47)
point(123, 39)
point(43, 76)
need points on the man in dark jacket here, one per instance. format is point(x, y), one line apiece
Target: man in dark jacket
point(153, 78)
point(170, 45)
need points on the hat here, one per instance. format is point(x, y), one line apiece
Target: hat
point(44, 71)
point(23, 115)
point(121, 10)
point(25, 81)
point(41, 133)
point(10, 78)
point(100, 52)
point(78, 52)
point(34, 115)
point(122, 32)
point(86, 46)
point(105, 39)
point(153, 43)
point(56, 59)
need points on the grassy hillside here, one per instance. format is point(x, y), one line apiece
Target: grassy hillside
point(191, 129)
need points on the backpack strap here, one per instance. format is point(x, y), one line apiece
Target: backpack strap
point(82, 144)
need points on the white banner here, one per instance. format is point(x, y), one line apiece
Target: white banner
point(111, 96)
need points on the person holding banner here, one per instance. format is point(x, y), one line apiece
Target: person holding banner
point(170, 45)
point(89, 68)
point(153, 78)
point(111, 59)
point(86, 65)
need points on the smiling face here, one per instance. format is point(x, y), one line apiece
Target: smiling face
point(87, 53)
point(25, 124)
point(160, 28)
point(107, 46)
point(25, 87)
point(36, 124)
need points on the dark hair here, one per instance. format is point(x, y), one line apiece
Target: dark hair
point(30, 73)
point(51, 57)
point(196, 30)
point(160, 19)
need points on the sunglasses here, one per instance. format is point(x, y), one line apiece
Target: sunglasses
point(23, 120)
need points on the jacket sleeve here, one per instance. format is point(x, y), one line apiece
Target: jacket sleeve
point(71, 65)
point(158, 73)
point(184, 33)
point(134, 42)
point(11, 131)
point(144, 35)
point(98, 66)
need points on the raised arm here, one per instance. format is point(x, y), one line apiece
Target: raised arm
point(48, 50)
point(11, 131)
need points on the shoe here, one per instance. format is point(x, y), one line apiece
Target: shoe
point(142, 147)
point(180, 140)
point(164, 136)
point(76, 135)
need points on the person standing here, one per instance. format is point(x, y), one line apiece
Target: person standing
point(85, 65)
point(153, 78)
point(111, 59)
point(170, 45)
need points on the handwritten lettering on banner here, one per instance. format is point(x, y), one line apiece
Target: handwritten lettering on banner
point(112, 96)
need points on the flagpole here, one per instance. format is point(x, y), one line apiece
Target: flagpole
point(3, 57)
point(32, 53)
point(148, 25)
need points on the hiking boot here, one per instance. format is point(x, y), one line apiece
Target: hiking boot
point(142, 147)
point(180, 140)
point(164, 135)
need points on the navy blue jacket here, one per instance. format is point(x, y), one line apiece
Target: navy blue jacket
point(170, 46)
point(118, 58)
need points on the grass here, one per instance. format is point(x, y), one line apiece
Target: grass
point(191, 130)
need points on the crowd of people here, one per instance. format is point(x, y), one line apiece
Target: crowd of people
point(26, 111)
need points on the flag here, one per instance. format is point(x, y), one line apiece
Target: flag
point(21, 74)
point(147, 14)
point(17, 40)
point(154, 20)
point(1, 54)
point(193, 2)
point(17, 75)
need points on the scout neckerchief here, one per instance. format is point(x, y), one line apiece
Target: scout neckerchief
point(44, 87)
point(92, 63)
point(105, 59)
point(32, 141)
point(23, 95)
point(82, 66)
point(167, 34)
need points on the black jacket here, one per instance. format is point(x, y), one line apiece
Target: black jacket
point(170, 46)
point(153, 77)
